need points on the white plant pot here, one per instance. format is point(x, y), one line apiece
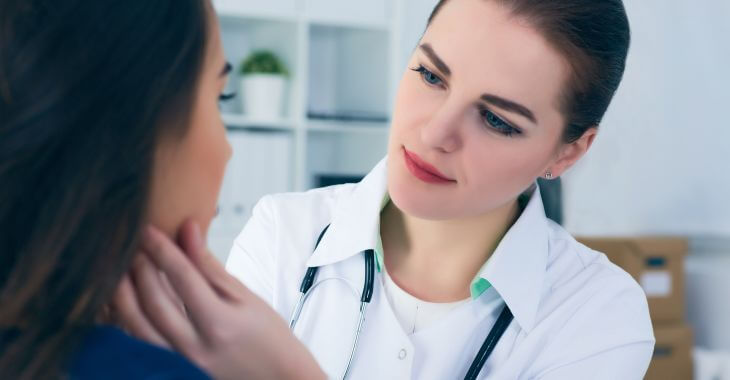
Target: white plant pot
point(263, 96)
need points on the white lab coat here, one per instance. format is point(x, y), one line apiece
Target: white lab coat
point(576, 315)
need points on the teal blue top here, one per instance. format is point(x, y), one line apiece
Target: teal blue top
point(109, 353)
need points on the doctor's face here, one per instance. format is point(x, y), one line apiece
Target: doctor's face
point(476, 117)
point(189, 169)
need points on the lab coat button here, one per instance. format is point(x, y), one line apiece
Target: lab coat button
point(402, 354)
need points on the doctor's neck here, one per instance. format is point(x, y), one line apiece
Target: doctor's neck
point(435, 260)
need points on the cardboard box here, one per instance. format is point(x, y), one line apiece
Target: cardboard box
point(657, 264)
point(672, 354)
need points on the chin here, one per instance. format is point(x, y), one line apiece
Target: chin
point(204, 220)
point(204, 229)
point(415, 198)
point(415, 203)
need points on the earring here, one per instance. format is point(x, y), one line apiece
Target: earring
point(549, 175)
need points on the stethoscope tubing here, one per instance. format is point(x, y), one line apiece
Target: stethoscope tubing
point(485, 351)
point(505, 317)
point(366, 296)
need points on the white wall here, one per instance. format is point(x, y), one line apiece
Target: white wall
point(415, 15)
point(660, 163)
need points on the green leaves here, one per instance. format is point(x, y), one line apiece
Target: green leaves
point(263, 62)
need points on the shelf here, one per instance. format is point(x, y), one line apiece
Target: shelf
point(234, 121)
point(276, 10)
point(228, 16)
point(348, 71)
point(363, 26)
point(343, 150)
point(341, 62)
point(242, 37)
point(336, 126)
point(375, 15)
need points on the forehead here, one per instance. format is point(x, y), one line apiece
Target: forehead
point(490, 50)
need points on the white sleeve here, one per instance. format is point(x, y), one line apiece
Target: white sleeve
point(611, 337)
point(253, 259)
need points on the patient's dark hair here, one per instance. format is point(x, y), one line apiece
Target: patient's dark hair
point(593, 36)
point(87, 91)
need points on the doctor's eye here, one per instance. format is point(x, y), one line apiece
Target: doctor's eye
point(497, 124)
point(429, 77)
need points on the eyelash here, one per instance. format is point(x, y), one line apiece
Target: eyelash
point(497, 124)
point(492, 121)
point(424, 73)
point(226, 97)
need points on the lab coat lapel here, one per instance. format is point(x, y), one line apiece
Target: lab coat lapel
point(517, 269)
point(355, 225)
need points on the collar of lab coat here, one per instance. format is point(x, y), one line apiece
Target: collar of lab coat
point(355, 224)
point(516, 269)
point(518, 266)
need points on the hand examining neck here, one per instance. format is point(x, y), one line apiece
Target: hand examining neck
point(436, 260)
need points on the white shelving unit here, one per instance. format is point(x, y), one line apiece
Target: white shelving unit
point(343, 58)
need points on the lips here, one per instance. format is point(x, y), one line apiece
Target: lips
point(423, 170)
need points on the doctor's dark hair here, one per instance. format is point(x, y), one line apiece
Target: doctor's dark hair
point(593, 36)
point(88, 90)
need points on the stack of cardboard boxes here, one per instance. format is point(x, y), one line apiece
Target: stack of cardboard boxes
point(657, 264)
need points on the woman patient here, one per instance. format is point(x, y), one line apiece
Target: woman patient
point(109, 122)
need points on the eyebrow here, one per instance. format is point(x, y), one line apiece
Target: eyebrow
point(497, 101)
point(509, 105)
point(428, 50)
point(226, 69)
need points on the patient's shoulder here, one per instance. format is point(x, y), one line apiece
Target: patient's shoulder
point(109, 353)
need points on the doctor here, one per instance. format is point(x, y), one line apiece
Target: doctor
point(498, 93)
point(441, 263)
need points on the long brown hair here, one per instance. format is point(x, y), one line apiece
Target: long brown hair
point(87, 91)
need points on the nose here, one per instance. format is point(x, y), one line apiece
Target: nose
point(443, 131)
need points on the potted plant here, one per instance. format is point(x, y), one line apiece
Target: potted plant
point(263, 85)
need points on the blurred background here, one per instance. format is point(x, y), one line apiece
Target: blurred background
point(316, 78)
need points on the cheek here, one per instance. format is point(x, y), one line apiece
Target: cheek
point(208, 156)
point(188, 178)
point(163, 211)
point(501, 167)
point(414, 106)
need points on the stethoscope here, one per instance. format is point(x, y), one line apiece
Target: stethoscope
point(503, 321)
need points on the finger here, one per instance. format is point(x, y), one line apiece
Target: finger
point(192, 243)
point(170, 292)
point(127, 310)
point(160, 309)
point(187, 281)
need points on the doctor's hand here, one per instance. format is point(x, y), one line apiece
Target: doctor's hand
point(206, 314)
